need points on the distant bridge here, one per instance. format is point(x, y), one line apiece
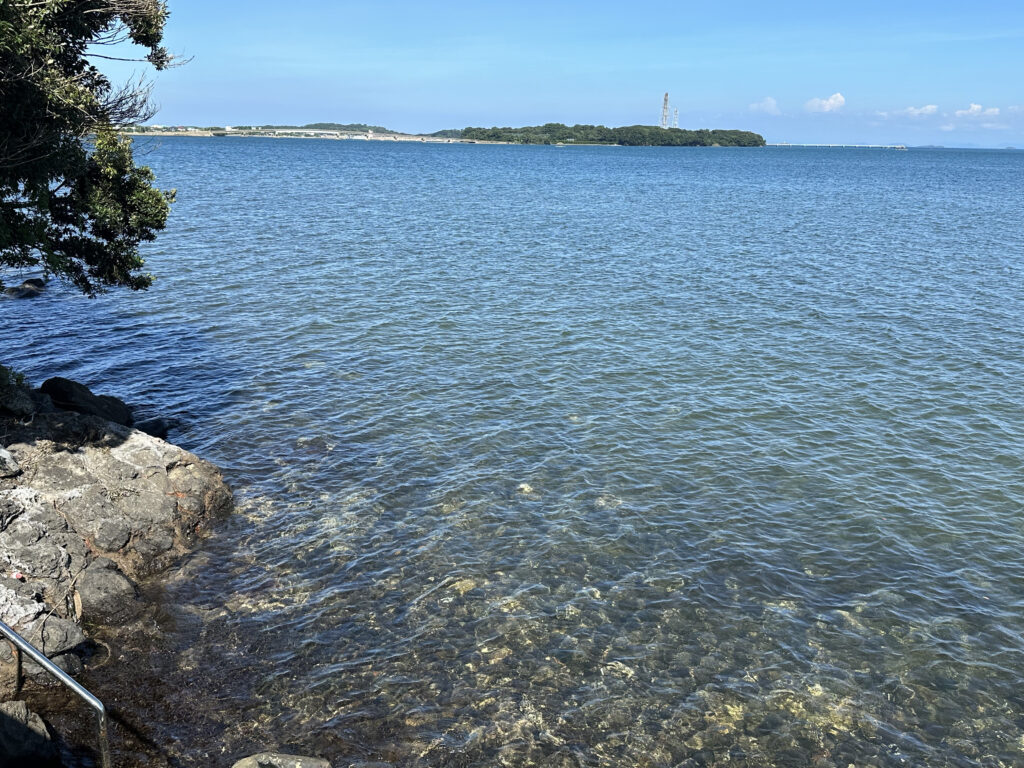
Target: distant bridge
point(843, 146)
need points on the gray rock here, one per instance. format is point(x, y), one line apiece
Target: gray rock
point(72, 396)
point(104, 595)
point(18, 606)
point(24, 738)
point(277, 760)
point(96, 507)
point(9, 467)
point(53, 635)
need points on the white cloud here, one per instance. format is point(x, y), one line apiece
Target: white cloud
point(768, 105)
point(976, 110)
point(948, 127)
point(1015, 109)
point(927, 109)
point(995, 126)
point(832, 104)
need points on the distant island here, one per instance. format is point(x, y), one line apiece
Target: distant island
point(626, 136)
point(550, 133)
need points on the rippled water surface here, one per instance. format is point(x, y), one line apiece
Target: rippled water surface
point(582, 456)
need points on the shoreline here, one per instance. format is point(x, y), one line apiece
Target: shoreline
point(328, 135)
point(95, 514)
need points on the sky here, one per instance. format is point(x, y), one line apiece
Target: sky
point(870, 72)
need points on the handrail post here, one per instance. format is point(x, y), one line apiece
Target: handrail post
point(24, 646)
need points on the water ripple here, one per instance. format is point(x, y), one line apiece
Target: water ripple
point(596, 457)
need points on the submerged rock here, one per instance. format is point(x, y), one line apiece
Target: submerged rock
point(27, 290)
point(158, 427)
point(276, 760)
point(72, 396)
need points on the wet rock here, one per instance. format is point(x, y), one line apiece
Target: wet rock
point(72, 396)
point(27, 290)
point(9, 467)
point(276, 760)
point(158, 427)
point(104, 595)
point(24, 738)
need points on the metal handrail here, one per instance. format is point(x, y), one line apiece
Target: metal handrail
point(40, 658)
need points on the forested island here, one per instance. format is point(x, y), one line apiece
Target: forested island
point(550, 133)
point(628, 136)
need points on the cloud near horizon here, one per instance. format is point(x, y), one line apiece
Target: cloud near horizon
point(927, 109)
point(767, 105)
point(976, 110)
point(833, 103)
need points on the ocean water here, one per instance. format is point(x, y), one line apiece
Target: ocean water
point(582, 456)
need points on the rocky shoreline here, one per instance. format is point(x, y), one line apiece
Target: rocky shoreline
point(89, 508)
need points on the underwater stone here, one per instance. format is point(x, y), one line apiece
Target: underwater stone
point(275, 760)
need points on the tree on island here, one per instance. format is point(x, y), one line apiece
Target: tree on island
point(628, 135)
point(73, 203)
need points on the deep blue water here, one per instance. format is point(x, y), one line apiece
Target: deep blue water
point(582, 456)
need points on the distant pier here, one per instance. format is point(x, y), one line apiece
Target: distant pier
point(843, 146)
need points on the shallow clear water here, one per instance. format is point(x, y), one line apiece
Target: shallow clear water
point(582, 456)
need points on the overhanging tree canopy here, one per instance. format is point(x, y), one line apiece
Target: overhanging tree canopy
point(72, 201)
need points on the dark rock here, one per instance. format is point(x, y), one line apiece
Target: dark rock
point(41, 402)
point(104, 595)
point(276, 760)
point(24, 739)
point(9, 510)
point(9, 467)
point(54, 635)
point(27, 290)
point(69, 663)
point(158, 427)
point(15, 396)
point(72, 396)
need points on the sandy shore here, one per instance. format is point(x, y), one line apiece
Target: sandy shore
point(309, 134)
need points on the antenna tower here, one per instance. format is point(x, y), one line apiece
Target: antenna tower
point(664, 112)
point(675, 118)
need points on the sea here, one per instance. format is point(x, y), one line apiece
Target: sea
point(576, 456)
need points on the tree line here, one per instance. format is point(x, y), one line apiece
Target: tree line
point(629, 136)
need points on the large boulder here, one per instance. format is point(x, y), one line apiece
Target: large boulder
point(97, 507)
point(72, 396)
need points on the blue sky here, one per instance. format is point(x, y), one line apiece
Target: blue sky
point(914, 72)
